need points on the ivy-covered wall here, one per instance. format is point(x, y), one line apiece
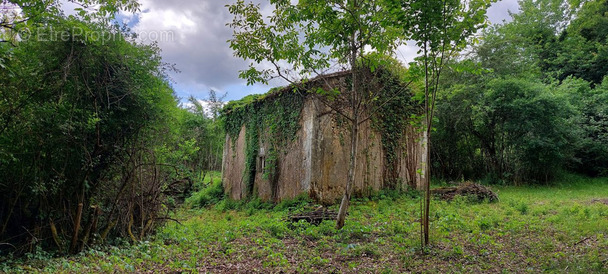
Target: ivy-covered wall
point(272, 119)
point(304, 145)
point(395, 118)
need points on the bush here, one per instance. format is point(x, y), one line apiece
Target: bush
point(299, 202)
point(505, 129)
point(81, 147)
point(257, 204)
point(591, 125)
point(210, 195)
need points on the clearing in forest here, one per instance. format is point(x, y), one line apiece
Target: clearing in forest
point(531, 229)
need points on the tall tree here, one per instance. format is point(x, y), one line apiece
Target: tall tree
point(201, 124)
point(559, 42)
point(441, 29)
point(582, 49)
point(310, 37)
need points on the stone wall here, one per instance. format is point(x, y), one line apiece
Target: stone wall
point(293, 170)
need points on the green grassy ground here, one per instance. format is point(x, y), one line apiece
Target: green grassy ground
point(562, 228)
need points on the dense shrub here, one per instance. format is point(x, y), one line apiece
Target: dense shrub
point(511, 130)
point(86, 141)
point(590, 125)
point(209, 195)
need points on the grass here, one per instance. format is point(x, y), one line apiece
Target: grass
point(207, 192)
point(560, 228)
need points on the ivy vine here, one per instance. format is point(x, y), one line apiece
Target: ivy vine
point(392, 118)
point(273, 119)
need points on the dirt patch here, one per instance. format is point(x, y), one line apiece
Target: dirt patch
point(474, 191)
point(600, 201)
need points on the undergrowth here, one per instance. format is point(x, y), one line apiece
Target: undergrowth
point(209, 192)
point(560, 228)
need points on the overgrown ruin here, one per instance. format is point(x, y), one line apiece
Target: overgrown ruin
point(292, 141)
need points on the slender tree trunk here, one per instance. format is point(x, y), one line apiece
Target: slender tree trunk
point(73, 246)
point(426, 180)
point(55, 235)
point(426, 174)
point(354, 136)
point(351, 176)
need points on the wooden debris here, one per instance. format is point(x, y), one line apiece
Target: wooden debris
point(314, 217)
point(582, 241)
point(469, 189)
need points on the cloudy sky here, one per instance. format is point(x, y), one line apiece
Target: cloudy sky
point(192, 35)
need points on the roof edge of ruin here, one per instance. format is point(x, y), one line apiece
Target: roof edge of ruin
point(291, 87)
point(281, 90)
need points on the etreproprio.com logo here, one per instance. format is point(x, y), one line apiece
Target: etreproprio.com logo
point(53, 35)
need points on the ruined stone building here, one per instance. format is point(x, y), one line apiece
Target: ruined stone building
point(287, 143)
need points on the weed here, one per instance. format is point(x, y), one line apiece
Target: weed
point(300, 202)
point(531, 229)
point(522, 207)
point(209, 195)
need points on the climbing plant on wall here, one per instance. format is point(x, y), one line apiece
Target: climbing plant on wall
point(389, 119)
point(272, 119)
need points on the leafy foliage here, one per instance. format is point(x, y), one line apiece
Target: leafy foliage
point(534, 109)
point(87, 144)
point(210, 193)
point(513, 128)
point(590, 125)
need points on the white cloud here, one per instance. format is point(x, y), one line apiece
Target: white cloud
point(499, 11)
point(199, 49)
point(205, 104)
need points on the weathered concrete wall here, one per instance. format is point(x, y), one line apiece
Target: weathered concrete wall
point(331, 156)
point(293, 170)
point(263, 186)
point(294, 163)
point(409, 157)
point(316, 162)
point(233, 166)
